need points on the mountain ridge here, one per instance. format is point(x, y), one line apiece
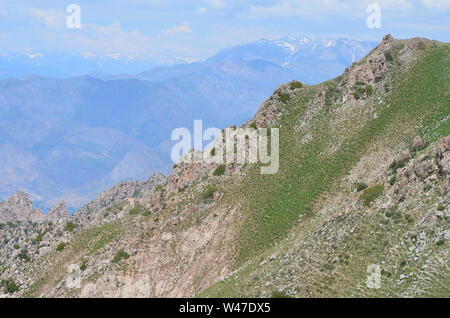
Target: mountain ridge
point(356, 187)
point(56, 133)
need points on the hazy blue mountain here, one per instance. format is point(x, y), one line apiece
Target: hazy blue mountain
point(68, 65)
point(312, 60)
point(69, 139)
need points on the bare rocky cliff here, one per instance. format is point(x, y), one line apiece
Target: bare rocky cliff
point(19, 207)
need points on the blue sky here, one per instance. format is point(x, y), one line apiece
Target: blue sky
point(183, 30)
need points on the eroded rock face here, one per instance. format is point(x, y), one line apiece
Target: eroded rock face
point(185, 174)
point(93, 212)
point(58, 212)
point(424, 169)
point(443, 156)
point(418, 143)
point(19, 207)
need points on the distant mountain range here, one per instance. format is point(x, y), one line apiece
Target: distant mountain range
point(61, 65)
point(69, 139)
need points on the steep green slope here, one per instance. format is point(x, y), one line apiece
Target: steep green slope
point(412, 99)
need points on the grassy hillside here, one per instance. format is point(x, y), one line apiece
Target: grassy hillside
point(418, 104)
point(413, 101)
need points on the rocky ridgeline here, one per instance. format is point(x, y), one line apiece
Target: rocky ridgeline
point(19, 208)
point(114, 202)
point(27, 235)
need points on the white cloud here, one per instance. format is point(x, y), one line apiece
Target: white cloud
point(188, 60)
point(215, 4)
point(304, 8)
point(51, 18)
point(201, 10)
point(395, 5)
point(183, 28)
point(441, 5)
point(287, 8)
point(34, 55)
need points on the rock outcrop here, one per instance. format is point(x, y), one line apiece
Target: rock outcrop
point(58, 213)
point(121, 194)
point(19, 207)
point(443, 156)
point(417, 144)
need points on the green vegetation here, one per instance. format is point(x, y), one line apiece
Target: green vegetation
point(61, 246)
point(120, 255)
point(392, 180)
point(371, 194)
point(41, 235)
point(213, 152)
point(395, 165)
point(138, 209)
point(9, 286)
point(296, 84)
point(361, 186)
point(388, 56)
point(83, 265)
point(272, 204)
point(278, 294)
point(284, 97)
point(220, 170)
point(70, 226)
point(137, 193)
point(208, 193)
point(331, 95)
point(24, 255)
point(360, 89)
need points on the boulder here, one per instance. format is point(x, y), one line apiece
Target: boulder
point(429, 220)
point(423, 169)
point(417, 144)
point(443, 156)
point(447, 235)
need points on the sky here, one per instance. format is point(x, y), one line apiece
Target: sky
point(169, 31)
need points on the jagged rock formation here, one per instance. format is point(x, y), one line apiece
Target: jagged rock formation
point(58, 213)
point(117, 199)
point(19, 207)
